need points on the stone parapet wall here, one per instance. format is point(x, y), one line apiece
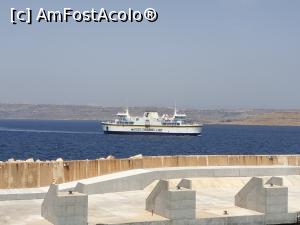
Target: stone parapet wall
point(22, 174)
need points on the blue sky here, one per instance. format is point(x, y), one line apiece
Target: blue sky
point(201, 54)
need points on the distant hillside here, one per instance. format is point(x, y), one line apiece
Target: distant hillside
point(273, 118)
point(84, 112)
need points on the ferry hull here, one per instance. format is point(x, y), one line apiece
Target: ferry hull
point(151, 133)
point(152, 130)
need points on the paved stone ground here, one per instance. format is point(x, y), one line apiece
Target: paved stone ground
point(22, 212)
point(214, 195)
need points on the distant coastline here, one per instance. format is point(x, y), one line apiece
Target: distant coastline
point(269, 117)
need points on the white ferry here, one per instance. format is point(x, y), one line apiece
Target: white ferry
point(152, 123)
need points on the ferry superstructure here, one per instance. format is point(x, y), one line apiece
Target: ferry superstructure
point(152, 123)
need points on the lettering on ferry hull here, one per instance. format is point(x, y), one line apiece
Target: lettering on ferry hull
point(146, 130)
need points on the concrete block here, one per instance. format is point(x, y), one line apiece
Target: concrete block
point(185, 183)
point(277, 200)
point(64, 208)
point(172, 203)
point(275, 181)
point(281, 218)
point(260, 196)
point(276, 191)
point(275, 209)
point(181, 204)
point(248, 196)
point(153, 200)
point(186, 194)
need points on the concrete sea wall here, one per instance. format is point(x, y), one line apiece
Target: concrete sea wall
point(28, 174)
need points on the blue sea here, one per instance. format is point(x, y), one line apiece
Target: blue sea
point(46, 140)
